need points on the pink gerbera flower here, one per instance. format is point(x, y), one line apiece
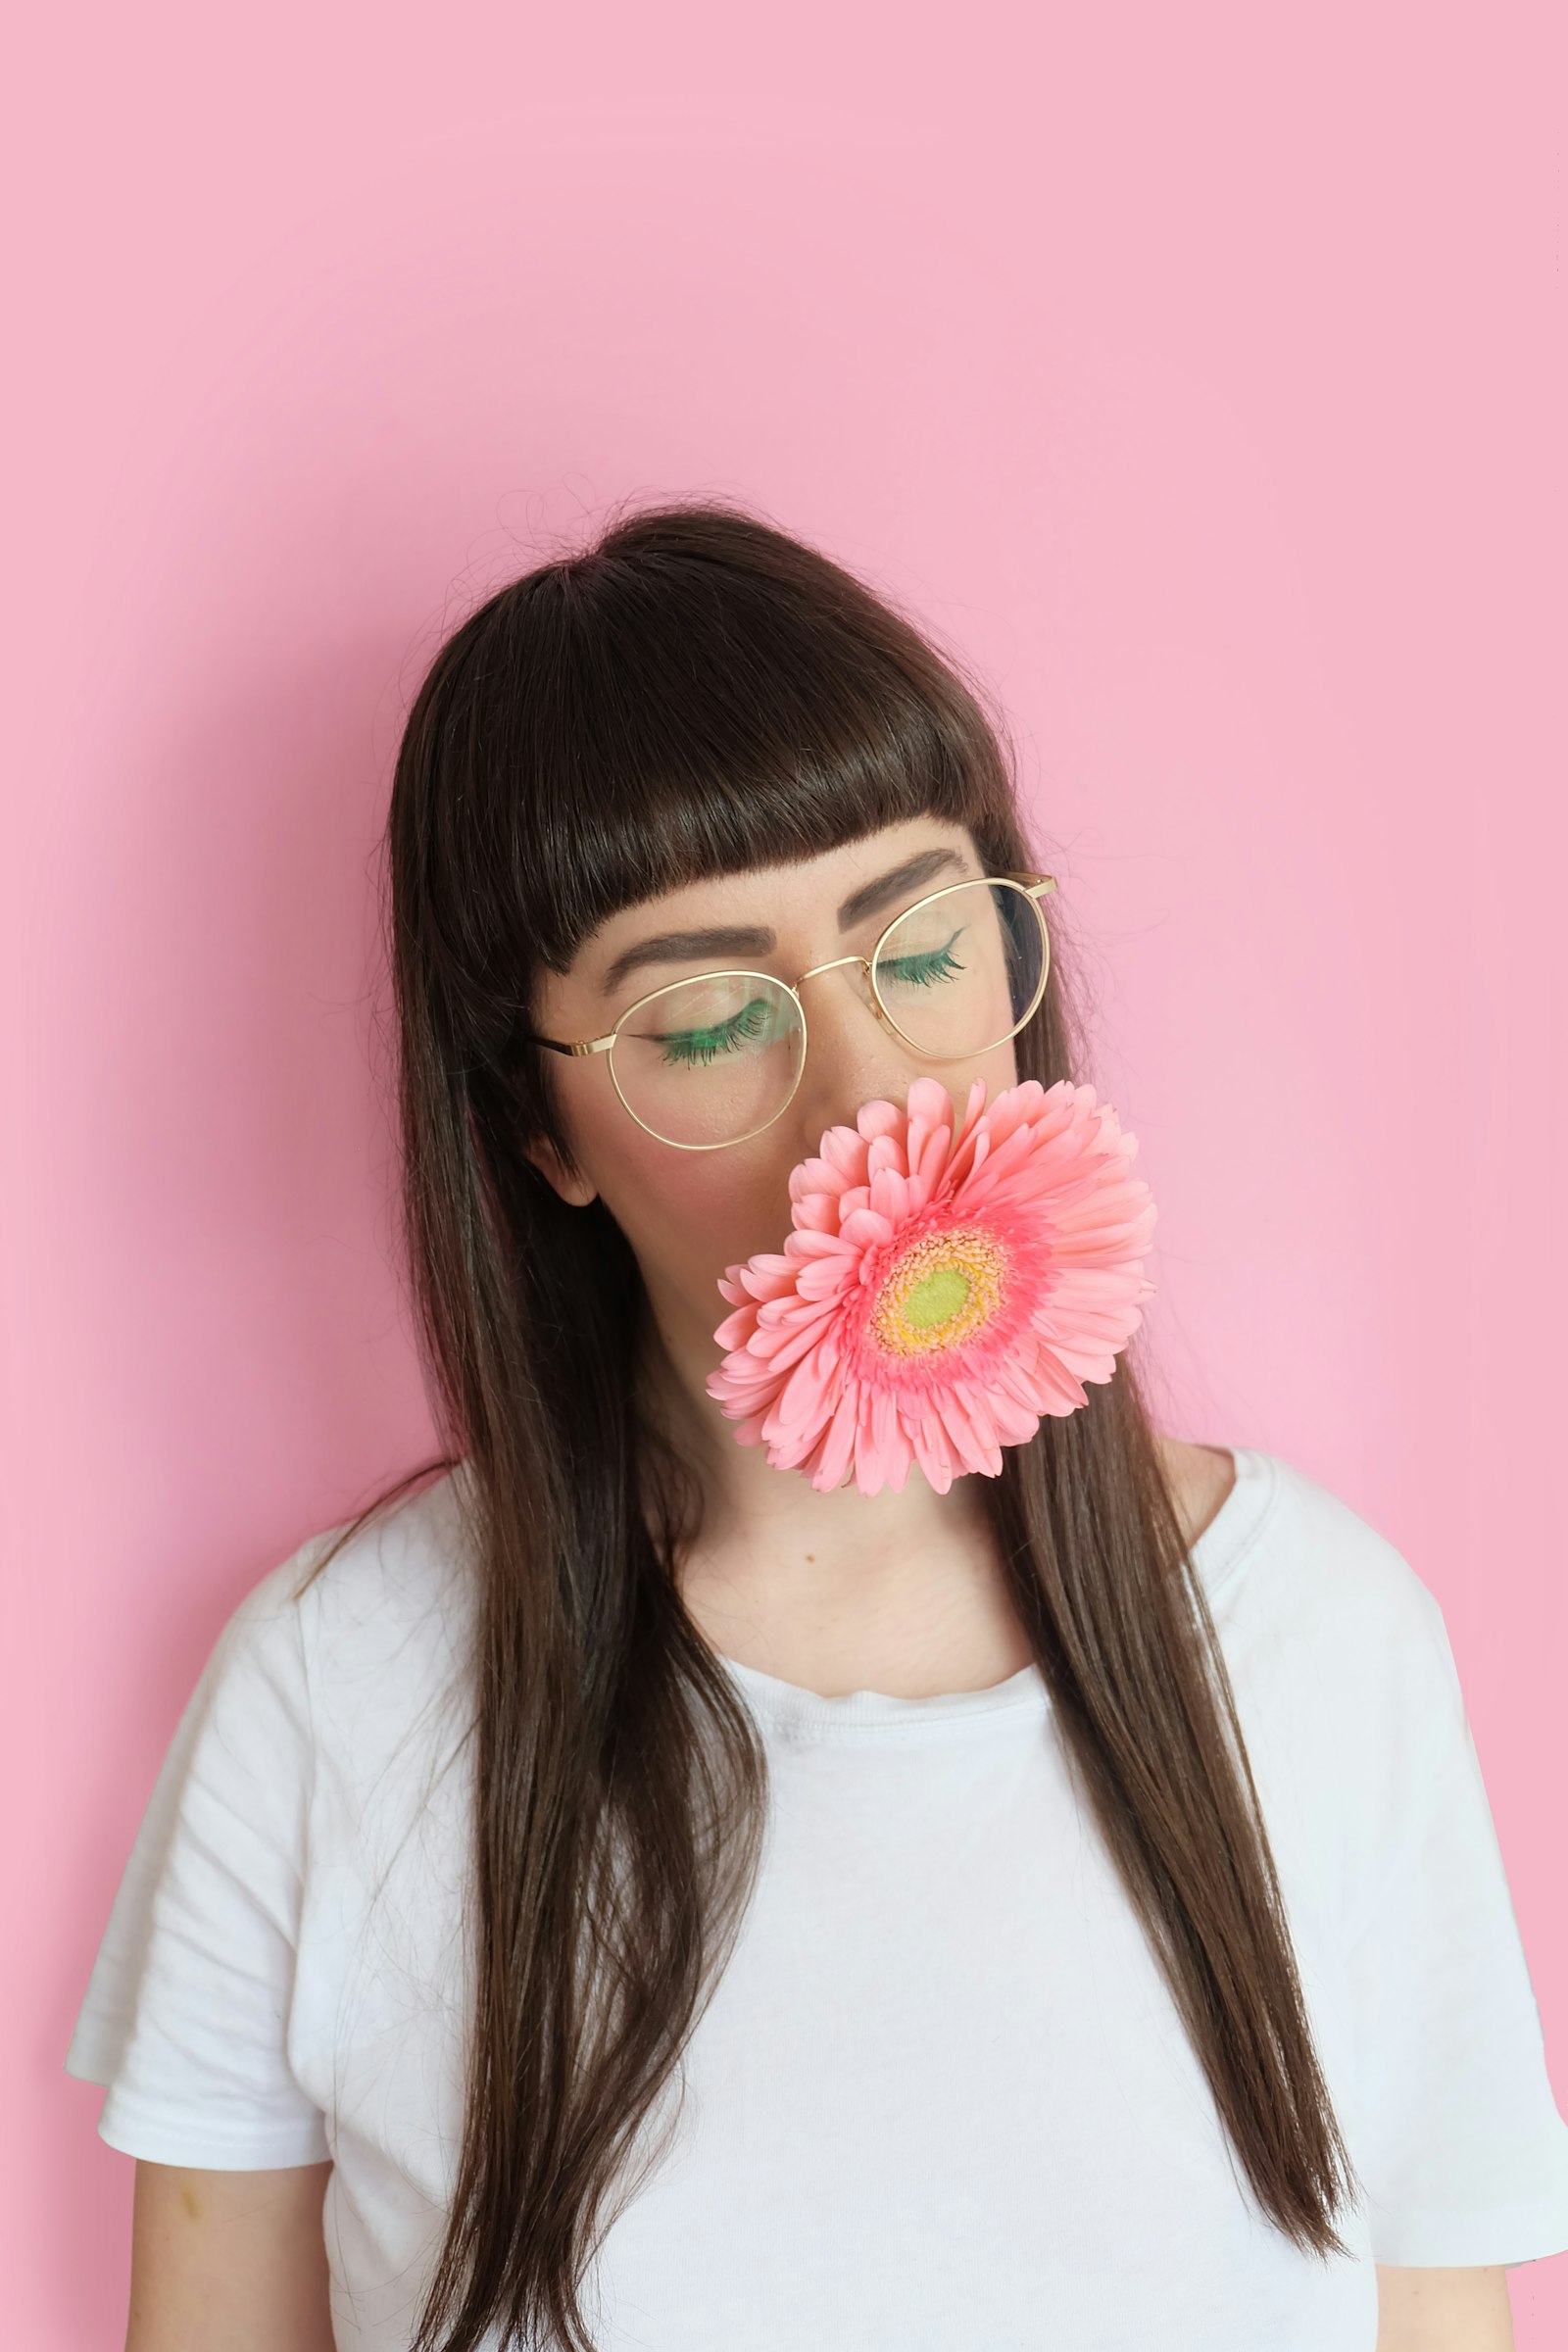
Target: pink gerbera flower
point(940, 1293)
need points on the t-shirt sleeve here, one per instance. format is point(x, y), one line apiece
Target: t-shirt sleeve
point(1464, 2154)
point(189, 2006)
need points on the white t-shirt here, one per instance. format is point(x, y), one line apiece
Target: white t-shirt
point(942, 2096)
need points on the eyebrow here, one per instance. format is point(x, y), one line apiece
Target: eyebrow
point(755, 939)
point(685, 949)
point(875, 895)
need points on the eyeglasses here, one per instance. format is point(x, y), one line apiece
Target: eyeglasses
point(704, 1062)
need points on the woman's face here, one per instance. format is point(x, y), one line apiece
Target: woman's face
point(689, 1214)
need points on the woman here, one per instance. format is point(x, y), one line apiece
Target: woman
point(662, 1903)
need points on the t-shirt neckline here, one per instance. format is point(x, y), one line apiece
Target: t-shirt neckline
point(1216, 1553)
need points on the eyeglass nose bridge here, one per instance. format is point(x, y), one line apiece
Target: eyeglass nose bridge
point(837, 964)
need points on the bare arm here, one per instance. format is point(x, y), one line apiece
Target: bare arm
point(228, 2261)
point(1443, 2311)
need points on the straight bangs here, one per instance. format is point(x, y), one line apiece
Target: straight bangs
point(622, 723)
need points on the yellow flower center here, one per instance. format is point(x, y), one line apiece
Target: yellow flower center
point(941, 1291)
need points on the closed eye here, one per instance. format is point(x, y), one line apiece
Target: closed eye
point(703, 1044)
point(923, 970)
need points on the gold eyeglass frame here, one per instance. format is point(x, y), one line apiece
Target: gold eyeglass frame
point(1033, 887)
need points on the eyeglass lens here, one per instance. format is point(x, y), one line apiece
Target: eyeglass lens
point(958, 971)
point(713, 1059)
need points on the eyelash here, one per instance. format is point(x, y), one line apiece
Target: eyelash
point(701, 1047)
point(706, 1044)
point(934, 965)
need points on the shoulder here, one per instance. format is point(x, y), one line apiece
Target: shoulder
point(1287, 1544)
point(1345, 1684)
point(406, 1568)
point(1201, 1479)
point(1328, 1631)
point(1328, 1577)
point(363, 1627)
point(1336, 1648)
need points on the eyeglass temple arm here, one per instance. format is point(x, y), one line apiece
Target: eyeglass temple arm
point(592, 1045)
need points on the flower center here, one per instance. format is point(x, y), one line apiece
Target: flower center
point(936, 1297)
point(941, 1291)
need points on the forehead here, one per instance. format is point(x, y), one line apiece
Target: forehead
point(745, 913)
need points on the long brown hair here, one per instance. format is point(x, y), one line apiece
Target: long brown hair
point(696, 693)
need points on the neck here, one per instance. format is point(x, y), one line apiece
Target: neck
point(777, 1567)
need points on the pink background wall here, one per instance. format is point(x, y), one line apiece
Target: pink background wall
point(1198, 372)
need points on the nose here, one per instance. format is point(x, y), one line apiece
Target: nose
point(852, 1056)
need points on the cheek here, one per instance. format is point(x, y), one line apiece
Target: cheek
point(690, 1214)
point(999, 1068)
